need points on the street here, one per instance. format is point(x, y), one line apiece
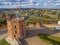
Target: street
point(3, 31)
point(3, 34)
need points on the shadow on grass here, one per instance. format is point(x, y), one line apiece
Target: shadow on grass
point(47, 39)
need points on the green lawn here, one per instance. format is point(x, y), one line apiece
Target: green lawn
point(50, 28)
point(4, 42)
point(50, 39)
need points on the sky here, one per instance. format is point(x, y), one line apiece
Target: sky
point(30, 4)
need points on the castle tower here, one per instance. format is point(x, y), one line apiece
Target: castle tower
point(16, 27)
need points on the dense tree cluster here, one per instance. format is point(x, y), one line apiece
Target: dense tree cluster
point(2, 22)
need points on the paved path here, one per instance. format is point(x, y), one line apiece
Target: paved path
point(2, 36)
point(3, 33)
point(32, 33)
point(35, 41)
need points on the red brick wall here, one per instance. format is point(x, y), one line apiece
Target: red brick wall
point(17, 28)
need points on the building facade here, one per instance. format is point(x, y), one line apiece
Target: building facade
point(16, 27)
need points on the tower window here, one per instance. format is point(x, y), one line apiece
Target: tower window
point(14, 35)
point(15, 26)
point(15, 31)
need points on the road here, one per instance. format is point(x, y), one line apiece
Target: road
point(32, 33)
point(3, 34)
point(3, 31)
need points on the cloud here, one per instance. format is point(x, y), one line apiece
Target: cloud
point(29, 3)
point(57, 4)
point(37, 4)
point(49, 1)
point(45, 4)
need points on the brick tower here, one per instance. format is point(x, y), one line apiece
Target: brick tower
point(16, 26)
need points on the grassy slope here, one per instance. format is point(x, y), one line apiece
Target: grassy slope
point(50, 39)
point(4, 42)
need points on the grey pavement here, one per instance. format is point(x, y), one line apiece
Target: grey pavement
point(32, 33)
point(3, 36)
point(3, 33)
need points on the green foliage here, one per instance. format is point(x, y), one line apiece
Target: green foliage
point(32, 20)
point(39, 14)
point(4, 42)
point(59, 16)
point(54, 13)
point(50, 39)
point(50, 28)
point(46, 17)
point(2, 22)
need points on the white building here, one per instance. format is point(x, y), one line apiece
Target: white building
point(57, 27)
point(58, 22)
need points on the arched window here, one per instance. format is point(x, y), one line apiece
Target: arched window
point(15, 31)
point(15, 27)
